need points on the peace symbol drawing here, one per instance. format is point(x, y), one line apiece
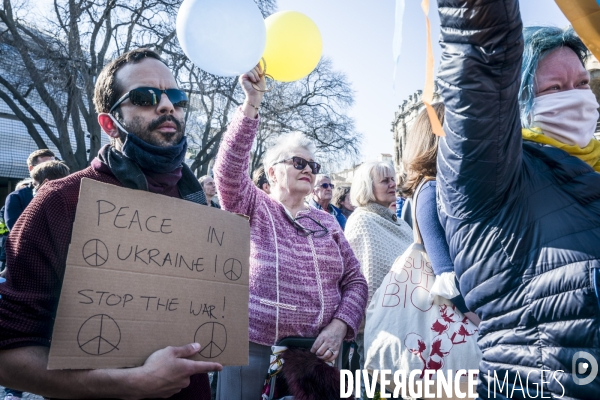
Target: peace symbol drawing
point(213, 337)
point(232, 269)
point(95, 252)
point(99, 335)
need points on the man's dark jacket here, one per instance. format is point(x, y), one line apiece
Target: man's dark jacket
point(522, 220)
point(16, 202)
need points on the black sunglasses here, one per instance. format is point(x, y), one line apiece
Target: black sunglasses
point(149, 96)
point(327, 185)
point(300, 163)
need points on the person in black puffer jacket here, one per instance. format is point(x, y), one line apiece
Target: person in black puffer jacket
point(522, 219)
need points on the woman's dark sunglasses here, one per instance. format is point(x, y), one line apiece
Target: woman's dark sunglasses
point(149, 96)
point(300, 163)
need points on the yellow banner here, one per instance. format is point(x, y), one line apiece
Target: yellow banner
point(584, 15)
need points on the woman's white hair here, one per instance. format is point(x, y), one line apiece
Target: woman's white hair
point(284, 148)
point(361, 192)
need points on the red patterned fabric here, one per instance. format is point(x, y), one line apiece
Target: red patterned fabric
point(36, 257)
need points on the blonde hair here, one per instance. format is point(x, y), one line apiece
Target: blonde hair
point(361, 192)
point(23, 183)
point(420, 155)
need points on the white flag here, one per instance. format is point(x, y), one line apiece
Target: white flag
point(397, 43)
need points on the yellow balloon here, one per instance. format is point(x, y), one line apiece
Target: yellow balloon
point(294, 46)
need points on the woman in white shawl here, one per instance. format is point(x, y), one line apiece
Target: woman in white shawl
point(376, 236)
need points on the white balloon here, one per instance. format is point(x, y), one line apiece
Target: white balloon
point(223, 37)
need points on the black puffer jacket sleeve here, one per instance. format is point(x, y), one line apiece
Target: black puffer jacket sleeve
point(479, 161)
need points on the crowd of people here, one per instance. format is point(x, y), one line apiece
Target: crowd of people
point(508, 212)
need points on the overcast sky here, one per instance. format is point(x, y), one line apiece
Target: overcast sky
point(357, 36)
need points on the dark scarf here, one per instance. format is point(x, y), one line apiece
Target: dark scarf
point(131, 175)
point(157, 159)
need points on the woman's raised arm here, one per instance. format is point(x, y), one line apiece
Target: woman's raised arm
point(479, 160)
point(237, 193)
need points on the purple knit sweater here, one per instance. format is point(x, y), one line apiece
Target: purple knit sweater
point(297, 284)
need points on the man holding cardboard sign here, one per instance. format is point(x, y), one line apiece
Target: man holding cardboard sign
point(142, 110)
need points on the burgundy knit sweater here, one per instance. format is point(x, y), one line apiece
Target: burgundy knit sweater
point(36, 257)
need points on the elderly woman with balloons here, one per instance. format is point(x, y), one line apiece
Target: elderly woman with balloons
point(304, 278)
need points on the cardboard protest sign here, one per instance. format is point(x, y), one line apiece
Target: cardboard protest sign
point(146, 271)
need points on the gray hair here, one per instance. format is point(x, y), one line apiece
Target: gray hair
point(321, 176)
point(361, 192)
point(283, 148)
point(23, 183)
point(203, 178)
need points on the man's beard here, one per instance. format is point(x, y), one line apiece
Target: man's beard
point(146, 133)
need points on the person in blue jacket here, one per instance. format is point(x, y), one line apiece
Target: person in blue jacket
point(17, 201)
point(321, 199)
point(519, 198)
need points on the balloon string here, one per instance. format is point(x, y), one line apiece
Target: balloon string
point(264, 73)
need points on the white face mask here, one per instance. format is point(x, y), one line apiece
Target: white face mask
point(569, 117)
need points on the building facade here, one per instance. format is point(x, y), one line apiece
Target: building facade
point(346, 176)
point(403, 120)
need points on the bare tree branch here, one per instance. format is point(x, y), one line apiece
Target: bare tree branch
point(26, 121)
point(60, 65)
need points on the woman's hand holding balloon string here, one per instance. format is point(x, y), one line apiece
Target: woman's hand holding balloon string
point(329, 342)
point(254, 97)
